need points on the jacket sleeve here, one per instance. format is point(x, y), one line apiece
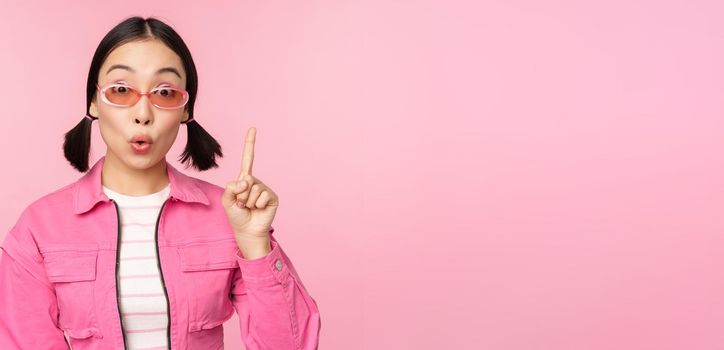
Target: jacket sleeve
point(275, 310)
point(29, 312)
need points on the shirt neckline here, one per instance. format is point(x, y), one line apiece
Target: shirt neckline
point(159, 194)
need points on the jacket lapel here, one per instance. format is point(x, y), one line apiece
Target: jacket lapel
point(89, 191)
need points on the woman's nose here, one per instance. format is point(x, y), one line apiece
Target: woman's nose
point(144, 112)
point(143, 120)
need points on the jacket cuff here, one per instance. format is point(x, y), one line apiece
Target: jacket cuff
point(266, 270)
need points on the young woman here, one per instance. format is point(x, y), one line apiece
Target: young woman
point(135, 254)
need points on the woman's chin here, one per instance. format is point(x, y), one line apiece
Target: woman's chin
point(141, 161)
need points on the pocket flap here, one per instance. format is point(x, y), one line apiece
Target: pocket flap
point(84, 333)
point(209, 256)
point(70, 266)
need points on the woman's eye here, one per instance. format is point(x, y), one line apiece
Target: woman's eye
point(165, 92)
point(120, 89)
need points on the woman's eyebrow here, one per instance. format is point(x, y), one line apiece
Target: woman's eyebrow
point(162, 70)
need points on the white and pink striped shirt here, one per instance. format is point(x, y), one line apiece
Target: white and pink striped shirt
point(143, 301)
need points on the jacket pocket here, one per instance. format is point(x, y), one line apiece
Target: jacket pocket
point(73, 274)
point(208, 269)
point(84, 333)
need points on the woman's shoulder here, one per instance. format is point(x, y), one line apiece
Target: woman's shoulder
point(207, 187)
point(40, 211)
point(46, 207)
point(57, 198)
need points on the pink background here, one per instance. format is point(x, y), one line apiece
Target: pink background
point(452, 175)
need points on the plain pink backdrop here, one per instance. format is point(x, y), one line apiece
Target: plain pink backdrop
point(452, 175)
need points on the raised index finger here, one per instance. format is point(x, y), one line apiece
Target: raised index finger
point(247, 158)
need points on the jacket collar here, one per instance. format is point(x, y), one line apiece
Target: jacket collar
point(89, 190)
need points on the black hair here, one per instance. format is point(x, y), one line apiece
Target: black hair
point(201, 149)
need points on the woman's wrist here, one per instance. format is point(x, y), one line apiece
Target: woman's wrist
point(255, 247)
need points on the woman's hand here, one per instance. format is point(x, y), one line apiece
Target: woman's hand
point(250, 204)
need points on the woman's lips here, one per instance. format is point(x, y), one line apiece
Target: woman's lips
point(140, 147)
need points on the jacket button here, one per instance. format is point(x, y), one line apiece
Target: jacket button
point(278, 265)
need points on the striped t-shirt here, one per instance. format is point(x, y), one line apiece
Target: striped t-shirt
point(142, 301)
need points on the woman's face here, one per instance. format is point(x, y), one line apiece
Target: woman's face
point(137, 64)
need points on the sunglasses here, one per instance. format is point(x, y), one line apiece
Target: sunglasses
point(124, 95)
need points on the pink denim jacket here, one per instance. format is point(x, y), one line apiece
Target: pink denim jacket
point(58, 275)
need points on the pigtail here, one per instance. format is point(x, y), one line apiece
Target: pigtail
point(201, 149)
point(77, 144)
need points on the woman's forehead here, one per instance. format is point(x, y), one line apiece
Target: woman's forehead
point(141, 60)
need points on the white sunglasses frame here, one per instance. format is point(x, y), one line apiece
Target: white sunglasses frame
point(101, 91)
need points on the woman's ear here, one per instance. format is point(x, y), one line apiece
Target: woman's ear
point(186, 116)
point(93, 111)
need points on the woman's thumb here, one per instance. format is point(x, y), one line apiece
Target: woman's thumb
point(232, 189)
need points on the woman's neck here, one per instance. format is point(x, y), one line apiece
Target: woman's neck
point(120, 178)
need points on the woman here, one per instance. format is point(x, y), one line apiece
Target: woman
point(135, 254)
